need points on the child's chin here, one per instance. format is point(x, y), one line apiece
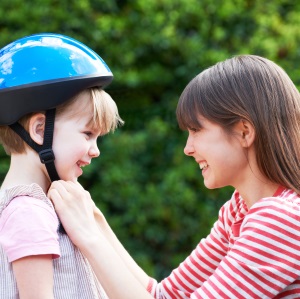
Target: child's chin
point(74, 180)
point(70, 179)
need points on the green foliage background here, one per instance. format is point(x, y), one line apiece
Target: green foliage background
point(151, 194)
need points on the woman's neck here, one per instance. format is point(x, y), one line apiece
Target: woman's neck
point(251, 183)
point(255, 191)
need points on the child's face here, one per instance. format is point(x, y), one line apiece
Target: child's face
point(75, 140)
point(220, 156)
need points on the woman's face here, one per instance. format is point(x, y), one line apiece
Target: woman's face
point(220, 156)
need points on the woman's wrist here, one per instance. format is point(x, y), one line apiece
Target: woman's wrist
point(100, 220)
point(92, 243)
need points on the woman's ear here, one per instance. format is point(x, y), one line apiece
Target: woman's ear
point(37, 127)
point(246, 133)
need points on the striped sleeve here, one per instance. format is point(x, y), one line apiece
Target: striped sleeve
point(197, 268)
point(265, 259)
point(263, 262)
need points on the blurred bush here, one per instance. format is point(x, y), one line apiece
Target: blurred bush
point(152, 195)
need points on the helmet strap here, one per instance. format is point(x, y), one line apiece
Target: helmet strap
point(45, 150)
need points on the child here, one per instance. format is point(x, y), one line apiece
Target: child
point(243, 121)
point(37, 74)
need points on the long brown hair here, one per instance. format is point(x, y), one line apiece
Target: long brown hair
point(256, 89)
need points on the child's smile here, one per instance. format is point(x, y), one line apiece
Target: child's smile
point(75, 141)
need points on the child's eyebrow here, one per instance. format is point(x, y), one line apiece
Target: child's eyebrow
point(94, 128)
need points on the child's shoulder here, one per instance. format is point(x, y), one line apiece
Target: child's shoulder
point(20, 194)
point(25, 204)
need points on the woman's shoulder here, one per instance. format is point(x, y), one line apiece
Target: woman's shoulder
point(282, 208)
point(283, 198)
point(275, 217)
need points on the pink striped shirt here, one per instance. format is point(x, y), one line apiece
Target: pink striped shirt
point(251, 253)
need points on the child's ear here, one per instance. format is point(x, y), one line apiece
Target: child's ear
point(37, 127)
point(246, 133)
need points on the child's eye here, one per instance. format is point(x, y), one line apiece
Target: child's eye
point(88, 133)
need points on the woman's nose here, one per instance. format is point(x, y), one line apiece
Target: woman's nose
point(189, 148)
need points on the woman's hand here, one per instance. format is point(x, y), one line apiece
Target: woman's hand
point(88, 229)
point(75, 209)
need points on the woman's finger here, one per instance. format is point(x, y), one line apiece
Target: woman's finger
point(56, 199)
point(62, 188)
point(71, 186)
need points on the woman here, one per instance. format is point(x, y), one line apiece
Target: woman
point(243, 120)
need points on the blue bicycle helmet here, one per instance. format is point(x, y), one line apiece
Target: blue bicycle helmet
point(40, 72)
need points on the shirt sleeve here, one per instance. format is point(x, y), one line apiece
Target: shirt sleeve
point(28, 226)
point(263, 262)
point(197, 268)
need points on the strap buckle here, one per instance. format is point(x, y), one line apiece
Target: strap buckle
point(47, 156)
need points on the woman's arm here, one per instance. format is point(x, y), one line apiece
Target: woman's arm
point(34, 276)
point(120, 276)
point(119, 248)
point(116, 278)
point(115, 269)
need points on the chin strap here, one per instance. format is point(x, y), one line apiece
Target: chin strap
point(45, 150)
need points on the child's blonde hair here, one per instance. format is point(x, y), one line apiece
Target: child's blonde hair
point(105, 119)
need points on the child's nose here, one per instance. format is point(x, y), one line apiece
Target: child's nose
point(94, 151)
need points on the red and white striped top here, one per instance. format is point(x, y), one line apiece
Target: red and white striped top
point(251, 253)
